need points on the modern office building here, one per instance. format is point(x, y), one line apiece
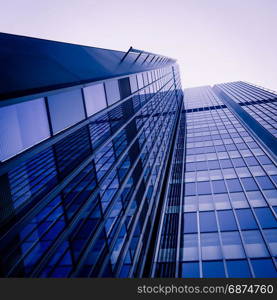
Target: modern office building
point(85, 138)
point(222, 221)
point(107, 169)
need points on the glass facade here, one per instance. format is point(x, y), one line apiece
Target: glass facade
point(82, 170)
point(222, 221)
point(125, 175)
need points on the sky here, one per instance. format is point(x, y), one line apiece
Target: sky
point(214, 41)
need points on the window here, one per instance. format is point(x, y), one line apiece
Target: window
point(226, 163)
point(238, 162)
point(213, 269)
point(190, 189)
point(226, 220)
point(271, 238)
point(112, 91)
point(210, 246)
point(66, 109)
point(251, 161)
point(232, 246)
point(203, 187)
point(221, 201)
point(133, 83)
point(264, 268)
point(95, 98)
point(238, 200)
point(254, 244)
point(238, 269)
point(207, 221)
point(22, 126)
point(265, 217)
point(190, 250)
point(213, 164)
point(124, 87)
point(249, 184)
point(219, 186)
point(234, 185)
point(190, 222)
point(265, 183)
point(246, 219)
point(190, 270)
point(205, 202)
point(256, 199)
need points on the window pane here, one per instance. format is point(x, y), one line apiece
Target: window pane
point(190, 250)
point(112, 91)
point(264, 268)
point(254, 244)
point(203, 187)
point(190, 270)
point(219, 186)
point(238, 269)
point(246, 219)
point(226, 220)
point(95, 98)
point(207, 221)
point(190, 222)
point(124, 87)
point(271, 238)
point(210, 246)
point(234, 185)
point(221, 201)
point(265, 183)
point(22, 126)
point(213, 269)
point(66, 109)
point(238, 200)
point(249, 184)
point(265, 217)
point(232, 246)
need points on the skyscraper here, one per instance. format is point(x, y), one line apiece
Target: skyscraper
point(222, 222)
point(109, 170)
point(86, 136)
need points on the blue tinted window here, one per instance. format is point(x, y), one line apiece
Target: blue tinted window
point(210, 246)
point(190, 222)
point(246, 219)
point(219, 187)
point(265, 182)
point(201, 166)
point(213, 269)
point(238, 269)
point(203, 187)
point(264, 160)
point(265, 217)
point(234, 185)
point(264, 268)
point(22, 126)
point(112, 91)
point(190, 270)
point(226, 163)
point(66, 109)
point(190, 166)
point(95, 98)
point(213, 164)
point(207, 221)
point(226, 220)
point(238, 162)
point(190, 189)
point(254, 244)
point(251, 161)
point(232, 245)
point(249, 184)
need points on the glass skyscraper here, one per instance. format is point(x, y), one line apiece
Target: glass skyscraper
point(109, 169)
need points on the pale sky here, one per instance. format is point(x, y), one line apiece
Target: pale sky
point(214, 41)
